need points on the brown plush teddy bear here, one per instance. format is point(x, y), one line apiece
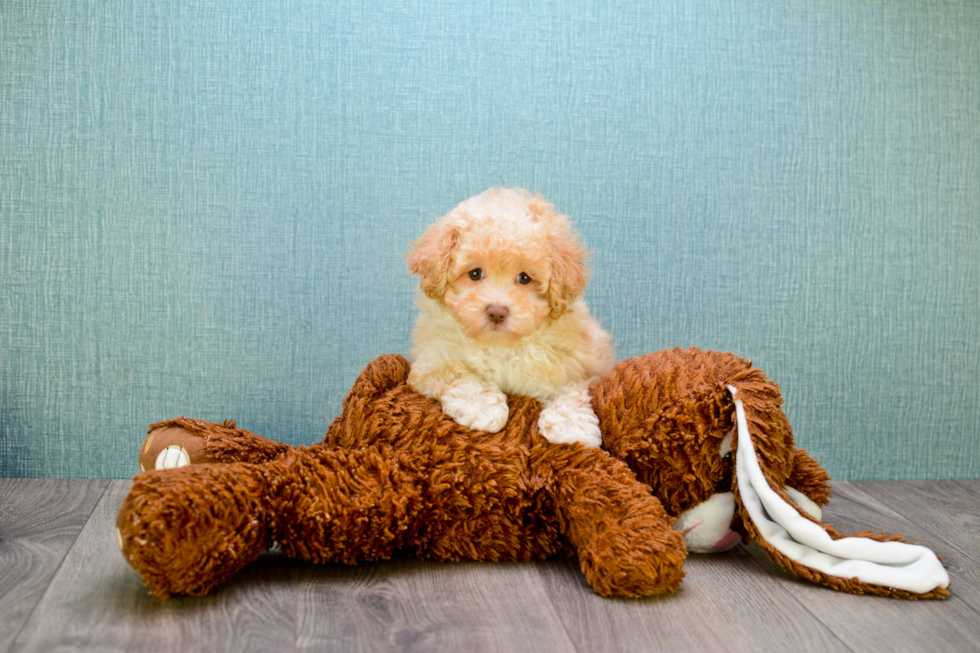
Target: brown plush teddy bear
point(395, 476)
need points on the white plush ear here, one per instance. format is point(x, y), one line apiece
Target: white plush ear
point(897, 565)
point(804, 503)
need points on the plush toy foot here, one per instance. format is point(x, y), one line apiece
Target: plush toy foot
point(169, 447)
point(182, 441)
point(622, 535)
point(186, 530)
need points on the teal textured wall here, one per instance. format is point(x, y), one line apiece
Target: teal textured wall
point(204, 207)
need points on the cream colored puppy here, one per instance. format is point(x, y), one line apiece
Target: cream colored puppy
point(501, 312)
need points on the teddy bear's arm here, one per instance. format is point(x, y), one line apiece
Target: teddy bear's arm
point(621, 533)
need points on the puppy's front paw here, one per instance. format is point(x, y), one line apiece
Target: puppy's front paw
point(569, 418)
point(476, 406)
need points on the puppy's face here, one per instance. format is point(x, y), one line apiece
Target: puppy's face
point(496, 287)
point(503, 262)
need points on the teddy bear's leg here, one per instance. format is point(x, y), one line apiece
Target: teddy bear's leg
point(183, 441)
point(344, 505)
point(186, 530)
point(623, 536)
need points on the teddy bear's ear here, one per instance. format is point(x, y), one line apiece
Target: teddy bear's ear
point(804, 546)
point(381, 375)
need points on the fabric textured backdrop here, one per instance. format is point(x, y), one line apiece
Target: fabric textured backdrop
point(204, 207)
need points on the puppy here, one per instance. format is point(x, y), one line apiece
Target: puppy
point(501, 312)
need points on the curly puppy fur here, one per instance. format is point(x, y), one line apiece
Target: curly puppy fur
point(501, 313)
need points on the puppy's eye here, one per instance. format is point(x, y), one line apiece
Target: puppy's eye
point(523, 279)
point(727, 459)
point(476, 274)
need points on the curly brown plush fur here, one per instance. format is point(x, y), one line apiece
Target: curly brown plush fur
point(395, 476)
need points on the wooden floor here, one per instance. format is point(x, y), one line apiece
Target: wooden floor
point(65, 586)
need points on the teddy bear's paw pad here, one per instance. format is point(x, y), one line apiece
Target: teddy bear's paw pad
point(473, 405)
point(568, 419)
point(173, 446)
point(172, 457)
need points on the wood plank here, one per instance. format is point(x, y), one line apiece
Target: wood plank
point(97, 601)
point(948, 510)
point(39, 521)
point(733, 602)
point(873, 623)
point(942, 515)
point(407, 605)
point(724, 604)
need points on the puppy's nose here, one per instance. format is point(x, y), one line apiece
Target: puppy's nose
point(497, 314)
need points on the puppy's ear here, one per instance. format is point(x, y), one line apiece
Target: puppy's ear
point(569, 273)
point(431, 257)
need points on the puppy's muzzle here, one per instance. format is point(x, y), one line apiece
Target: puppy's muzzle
point(497, 314)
